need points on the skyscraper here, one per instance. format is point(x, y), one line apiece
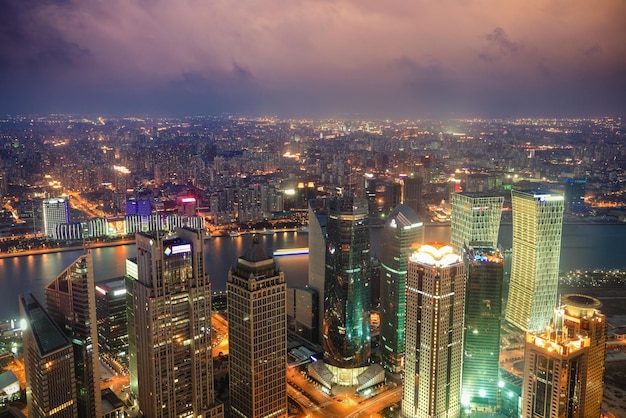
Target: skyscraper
point(318, 218)
point(575, 195)
point(537, 229)
point(112, 320)
point(346, 289)
point(55, 212)
point(475, 217)
point(49, 364)
point(484, 271)
point(564, 365)
point(434, 333)
point(170, 326)
point(412, 192)
point(402, 234)
point(257, 336)
point(71, 303)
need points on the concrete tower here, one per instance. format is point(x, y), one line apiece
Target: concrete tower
point(257, 329)
point(434, 333)
point(170, 326)
point(564, 364)
point(71, 302)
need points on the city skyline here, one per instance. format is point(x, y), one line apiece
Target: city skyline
point(397, 59)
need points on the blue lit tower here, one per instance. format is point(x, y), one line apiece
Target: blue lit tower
point(347, 288)
point(537, 229)
point(402, 233)
point(484, 270)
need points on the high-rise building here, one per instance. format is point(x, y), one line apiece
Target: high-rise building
point(257, 336)
point(49, 364)
point(484, 271)
point(303, 312)
point(564, 364)
point(393, 196)
point(475, 217)
point(412, 192)
point(112, 321)
point(318, 218)
point(537, 229)
point(169, 334)
point(71, 303)
point(403, 232)
point(347, 289)
point(575, 195)
point(434, 333)
point(55, 212)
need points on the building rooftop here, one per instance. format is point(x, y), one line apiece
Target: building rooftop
point(48, 335)
point(7, 378)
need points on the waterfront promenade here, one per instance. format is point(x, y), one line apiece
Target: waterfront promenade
point(48, 250)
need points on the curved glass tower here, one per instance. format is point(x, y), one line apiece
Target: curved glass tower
point(347, 288)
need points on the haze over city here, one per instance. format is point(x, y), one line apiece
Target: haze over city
point(314, 58)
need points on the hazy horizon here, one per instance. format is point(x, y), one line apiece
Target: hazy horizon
point(314, 58)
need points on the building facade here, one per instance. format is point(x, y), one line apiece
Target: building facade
point(484, 271)
point(475, 217)
point(403, 232)
point(170, 352)
point(434, 333)
point(537, 230)
point(318, 219)
point(71, 303)
point(112, 321)
point(48, 362)
point(55, 212)
point(346, 339)
point(257, 336)
point(564, 365)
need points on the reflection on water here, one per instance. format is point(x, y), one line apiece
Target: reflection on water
point(584, 247)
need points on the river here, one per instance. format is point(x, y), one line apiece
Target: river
point(584, 247)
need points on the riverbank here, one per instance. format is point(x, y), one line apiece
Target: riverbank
point(49, 250)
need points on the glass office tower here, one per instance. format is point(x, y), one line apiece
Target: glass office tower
point(537, 229)
point(347, 288)
point(475, 217)
point(484, 270)
point(402, 233)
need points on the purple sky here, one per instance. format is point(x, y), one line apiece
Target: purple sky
point(392, 58)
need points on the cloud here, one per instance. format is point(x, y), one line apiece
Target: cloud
point(266, 54)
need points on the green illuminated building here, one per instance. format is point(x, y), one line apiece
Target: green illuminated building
point(402, 233)
point(475, 217)
point(347, 288)
point(484, 269)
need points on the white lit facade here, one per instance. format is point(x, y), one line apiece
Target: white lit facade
point(434, 333)
point(475, 218)
point(537, 229)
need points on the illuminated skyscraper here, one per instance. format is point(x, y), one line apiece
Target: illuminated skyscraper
point(402, 234)
point(434, 333)
point(484, 269)
point(55, 212)
point(347, 289)
point(71, 303)
point(537, 229)
point(475, 217)
point(170, 326)
point(49, 364)
point(564, 365)
point(257, 336)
